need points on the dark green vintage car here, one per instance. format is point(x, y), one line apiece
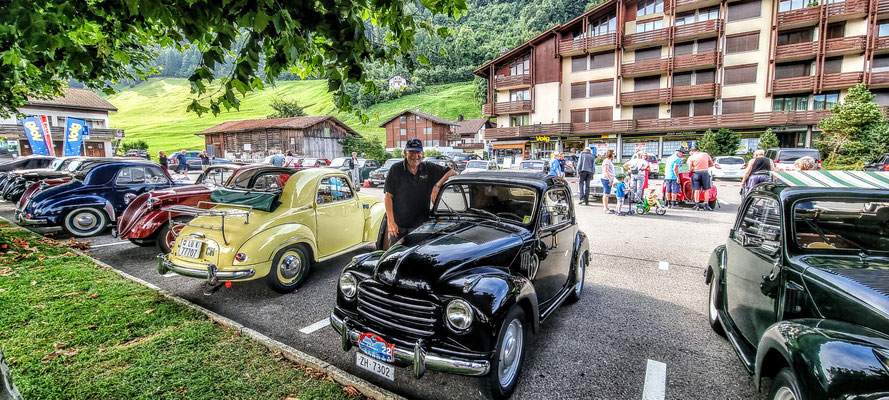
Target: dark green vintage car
point(801, 287)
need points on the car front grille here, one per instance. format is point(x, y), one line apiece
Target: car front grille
point(413, 317)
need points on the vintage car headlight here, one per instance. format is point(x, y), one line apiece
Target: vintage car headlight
point(458, 313)
point(348, 285)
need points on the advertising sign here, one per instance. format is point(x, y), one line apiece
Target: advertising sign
point(34, 132)
point(47, 135)
point(75, 130)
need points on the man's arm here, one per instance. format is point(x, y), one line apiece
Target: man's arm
point(390, 216)
point(441, 182)
point(676, 170)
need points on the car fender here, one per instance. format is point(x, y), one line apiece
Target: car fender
point(581, 245)
point(715, 265)
point(61, 206)
point(147, 224)
point(831, 359)
point(262, 246)
point(374, 219)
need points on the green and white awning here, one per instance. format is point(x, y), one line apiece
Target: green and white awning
point(835, 179)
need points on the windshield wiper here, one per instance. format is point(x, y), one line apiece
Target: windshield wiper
point(485, 212)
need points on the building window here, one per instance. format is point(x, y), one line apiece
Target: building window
point(520, 66)
point(327, 132)
point(681, 49)
point(602, 60)
point(578, 63)
point(646, 112)
point(427, 130)
point(833, 65)
point(413, 130)
point(742, 43)
point(796, 36)
point(651, 53)
point(793, 70)
point(603, 25)
point(600, 114)
point(61, 120)
point(790, 103)
point(651, 82)
point(518, 95)
point(703, 107)
point(883, 28)
point(578, 90)
point(578, 116)
point(825, 101)
point(743, 9)
point(787, 5)
point(705, 76)
point(682, 79)
point(740, 74)
point(697, 16)
point(602, 88)
point(737, 106)
point(836, 30)
point(678, 110)
point(882, 96)
point(403, 119)
point(881, 63)
point(645, 7)
point(649, 25)
point(519, 120)
point(403, 131)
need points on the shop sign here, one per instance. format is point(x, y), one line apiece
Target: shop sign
point(601, 148)
point(541, 139)
point(640, 146)
point(681, 133)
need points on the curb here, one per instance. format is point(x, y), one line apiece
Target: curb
point(8, 390)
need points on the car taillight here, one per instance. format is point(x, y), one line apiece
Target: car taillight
point(777, 161)
point(743, 166)
point(240, 257)
point(819, 164)
point(717, 166)
point(886, 167)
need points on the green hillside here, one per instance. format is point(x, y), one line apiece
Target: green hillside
point(154, 111)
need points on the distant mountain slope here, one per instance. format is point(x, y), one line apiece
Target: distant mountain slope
point(154, 111)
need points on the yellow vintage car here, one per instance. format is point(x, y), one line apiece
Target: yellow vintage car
point(275, 230)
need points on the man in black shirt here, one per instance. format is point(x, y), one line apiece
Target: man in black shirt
point(410, 187)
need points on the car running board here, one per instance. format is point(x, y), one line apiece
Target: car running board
point(745, 352)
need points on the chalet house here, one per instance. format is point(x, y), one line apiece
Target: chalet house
point(469, 134)
point(75, 103)
point(434, 131)
point(254, 139)
point(397, 82)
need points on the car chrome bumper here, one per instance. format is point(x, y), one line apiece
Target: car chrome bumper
point(211, 274)
point(417, 357)
point(21, 219)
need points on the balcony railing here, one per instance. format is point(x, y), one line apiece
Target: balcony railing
point(849, 44)
point(589, 43)
point(799, 17)
point(468, 146)
point(879, 79)
point(506, 107)
point(883, 7)
point(791, 85)
point(690, 92)
point(645, 96)
point(619, 125)
point(692, 61)
point(528, 131)
point(699, 29)
point(656, 35)
point(881, 44)
point(846, 8)
point(842, 80)
point(796, 50)
point(512, 81)
point(647, 67)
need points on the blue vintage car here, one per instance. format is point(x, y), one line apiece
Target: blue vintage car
point(96, 196)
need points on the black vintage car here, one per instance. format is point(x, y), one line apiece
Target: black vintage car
point(801, 287)
point(461, 293)
point(27, 162)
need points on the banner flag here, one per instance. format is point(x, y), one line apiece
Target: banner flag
point(34, 132)
point(75, 130)
point(47, 135)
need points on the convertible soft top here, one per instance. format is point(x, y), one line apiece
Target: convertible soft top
point(834, 179)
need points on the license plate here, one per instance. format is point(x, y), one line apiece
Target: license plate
point(378, 368)
point(190, 248)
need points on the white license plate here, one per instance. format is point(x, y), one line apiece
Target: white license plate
point(190, 248)
point(376, 367)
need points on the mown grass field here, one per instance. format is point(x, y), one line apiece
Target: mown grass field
point(154, 111)
point(72, 330)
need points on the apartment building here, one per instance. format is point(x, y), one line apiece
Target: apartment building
point(656, 74)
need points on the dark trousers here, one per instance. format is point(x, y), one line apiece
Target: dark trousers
point(584, 184)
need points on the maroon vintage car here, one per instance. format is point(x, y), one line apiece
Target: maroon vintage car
point(145, 223)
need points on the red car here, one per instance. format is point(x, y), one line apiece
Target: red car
point(145, 223)
point(686, 194)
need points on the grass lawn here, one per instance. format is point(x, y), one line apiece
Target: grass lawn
point(154, 111)
point(72, 330)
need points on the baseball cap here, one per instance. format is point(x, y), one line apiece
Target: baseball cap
point(681, 149)
point(414, 145)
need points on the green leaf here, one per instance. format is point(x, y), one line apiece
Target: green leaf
point(423, 60)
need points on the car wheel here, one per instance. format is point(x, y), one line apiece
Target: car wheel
point(289, 270)
point(579, 274)
point(506, 364)
point(785, 386)
point(381, 237)
point(712, 204)
point(713, 305)
point(167, 233)
point(86, 221)
point(142, 242)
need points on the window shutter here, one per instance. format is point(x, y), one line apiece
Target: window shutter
point(740, 74)
point(742, 43)
point(578, 90)
point(601, 88)
point(730, 106)
point(743, 10)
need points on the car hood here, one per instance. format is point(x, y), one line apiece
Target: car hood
point(849, 288)
point(439, 250)
point(48, 196)
point(34, 174)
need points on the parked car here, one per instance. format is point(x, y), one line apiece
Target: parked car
point(93, 200)
point(444, 163)
point(196, 164)
point(534, 165)
point(378, 176)
point(655, 171)
point(19, 181)
point(314, 162)
point(191, 159)
point(570, 168)
point(276, 230)
point(20, 163)
point(596, 183)
point(480, 166)
point(365, 167)
point(880, 163)
point(138, 153)
point(799, 286)
point(75, 167)
point(728, 167)
point(785, 157)
point(686, 194)
point(145, 222)
point(460, 160)
point(462, 293)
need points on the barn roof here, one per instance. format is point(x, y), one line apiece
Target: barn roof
point(75, 98)
point(280, 123)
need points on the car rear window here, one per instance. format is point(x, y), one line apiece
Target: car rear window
point(477, 164)
point(793, 155)
point(833, 225)
point(531, 165)
point(731, 160)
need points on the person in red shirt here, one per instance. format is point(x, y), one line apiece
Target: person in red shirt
point(699, 164)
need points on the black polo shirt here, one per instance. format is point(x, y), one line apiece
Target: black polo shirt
point(411, 193)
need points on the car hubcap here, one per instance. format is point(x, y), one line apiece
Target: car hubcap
point(510, 353)
point(85, 221)
point(290, 266)
point(784, 393)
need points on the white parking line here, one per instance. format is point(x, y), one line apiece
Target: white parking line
point(314, 327)
point(109, 244)
point(663, 265)
point(655, 381)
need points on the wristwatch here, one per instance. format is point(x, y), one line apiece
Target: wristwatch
point(438, 185)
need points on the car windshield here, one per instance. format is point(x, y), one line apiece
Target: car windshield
point(793, 155)
point(390, 162)
point(858, 225)
point(75, 165)
point(477, 164)
point(510, 203)
point(531, 165)
point(337, 162)
point(730, 160)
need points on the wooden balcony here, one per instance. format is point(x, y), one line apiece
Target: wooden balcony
point(843, 80)
point(468, 146)
point(879, 80)
point(883, 7)
point(512, 81)
point(615, 126)
point(572, 47)
point(800, 17)
point(732, 121)
point(683, 5)
point(793, 85)
point(647, 38)
point(844, 45)
point(528, 131)
point(881, 44)
point(699, 29)
point(846, 9)
point(647, 67)
point(648, 96)
point(796, 51)
point(689, 62)
point(691, 92)
point(506, 107)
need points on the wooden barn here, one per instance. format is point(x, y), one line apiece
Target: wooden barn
point(254, 139)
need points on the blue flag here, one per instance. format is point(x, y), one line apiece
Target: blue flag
point(75, 129)
point(34, 132)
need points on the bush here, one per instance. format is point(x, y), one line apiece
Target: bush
point(367, 148)
point(768, 139)
point(723, 142)
point(133, 145)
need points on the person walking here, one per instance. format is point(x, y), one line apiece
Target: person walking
point(607, 179)
point(758, 170)
point(410, 187)
point(162, 159)
point(586, 169)
point(277, 160)
point(699, 164)
point(637, 169)
point(182, 167)
point(288, 159)
point(353, 168)
point(671, 178)
point(555, 167)
point(205, 160)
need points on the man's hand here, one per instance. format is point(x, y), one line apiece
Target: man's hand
point(392, 227)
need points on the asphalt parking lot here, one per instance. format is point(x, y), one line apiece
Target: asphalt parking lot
point(639, 331)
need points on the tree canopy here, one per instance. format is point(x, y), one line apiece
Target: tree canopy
point(723, 142)
point(46, 43)
point(856, 132)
